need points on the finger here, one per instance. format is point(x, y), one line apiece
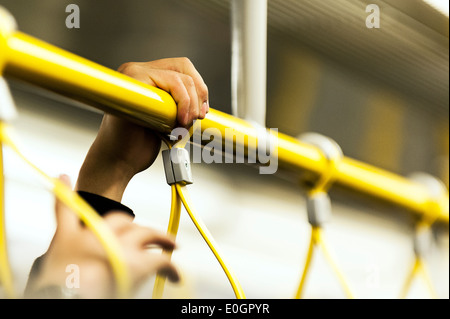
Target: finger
point(181, 90)
point(185, 66)
point(118, 221)
point(162, 265)
point(169, 271)
point(144, 237)
point(168, 74)
point(66, 219)
point(194, 109)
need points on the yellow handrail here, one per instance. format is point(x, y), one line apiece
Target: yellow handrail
point(47, 66)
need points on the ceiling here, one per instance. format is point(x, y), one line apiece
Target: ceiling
point(409, 52)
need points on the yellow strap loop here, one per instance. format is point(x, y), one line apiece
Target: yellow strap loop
point(333, 155)
point(172, 229)
point(317, 240)
point(419, 268)
point(327, 177)
point(180, 193)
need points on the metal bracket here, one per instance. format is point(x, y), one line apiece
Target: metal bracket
point(177, 166)
point(329, 147)
point(423, 239)
point(423, 235)
point(318, 207)
point(318, 203)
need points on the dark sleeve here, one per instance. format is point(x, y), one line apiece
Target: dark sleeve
point(102, 205)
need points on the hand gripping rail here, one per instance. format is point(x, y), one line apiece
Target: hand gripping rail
point(39, 63)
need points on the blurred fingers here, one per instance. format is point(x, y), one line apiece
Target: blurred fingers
point(162, 265)
point(147, 237)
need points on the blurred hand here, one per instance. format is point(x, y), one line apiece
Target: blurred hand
point(123, 149)
point(75, 244)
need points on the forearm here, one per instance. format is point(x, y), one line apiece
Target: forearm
point(120, 151)
point(103, 177)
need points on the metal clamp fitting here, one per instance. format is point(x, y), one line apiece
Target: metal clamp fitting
point(318, 207)
point(318, 203)
point(423, 236)
point(435, 186)
point(329, 147)
point(177, 166)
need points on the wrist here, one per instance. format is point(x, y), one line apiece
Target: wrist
point(105, 178)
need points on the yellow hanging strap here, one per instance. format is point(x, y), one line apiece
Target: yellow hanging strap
point(422, 240)
point(180, 194)
point(318, 241)
point(319, 210)
point(423, 232)
point(86, 213)
point(172, 229)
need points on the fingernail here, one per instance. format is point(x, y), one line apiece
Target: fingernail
point(204, 108)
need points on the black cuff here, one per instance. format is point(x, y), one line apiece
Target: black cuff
point(104, 205)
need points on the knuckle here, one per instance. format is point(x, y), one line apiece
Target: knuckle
point(185, 61)
point(129, 68)
point(188, 81)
